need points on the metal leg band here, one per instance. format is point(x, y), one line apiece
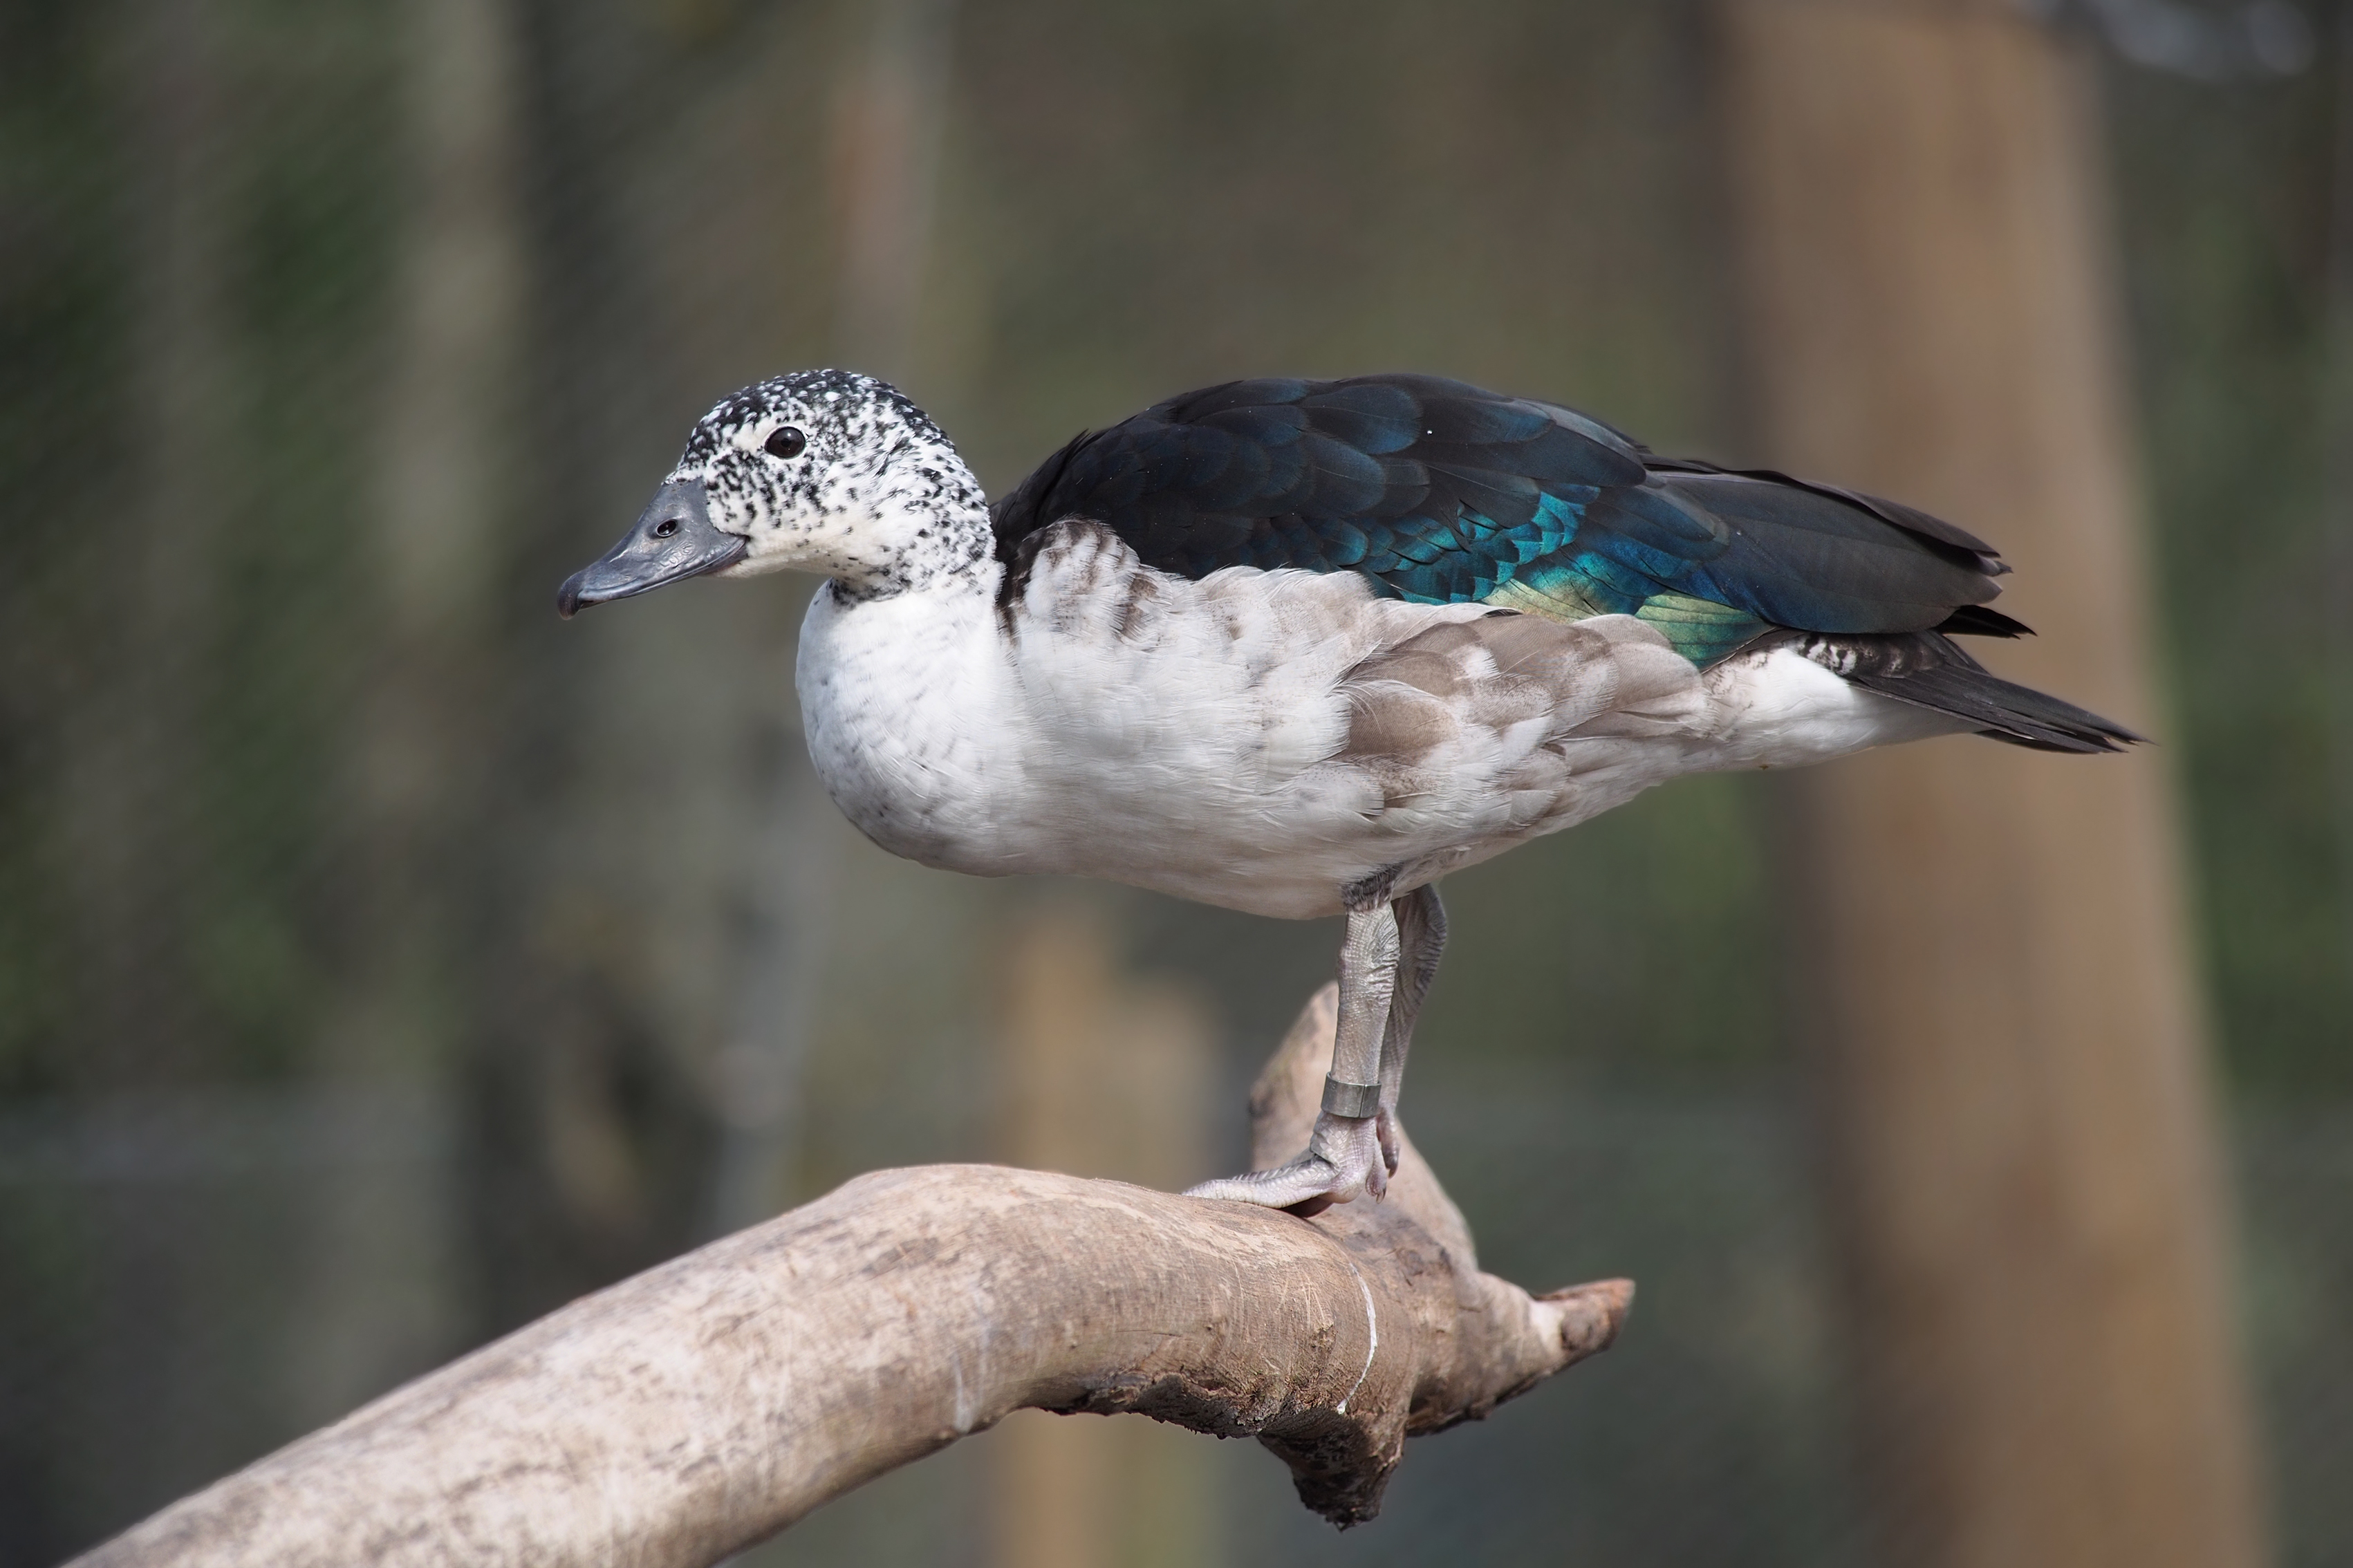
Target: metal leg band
point(1351, 1100)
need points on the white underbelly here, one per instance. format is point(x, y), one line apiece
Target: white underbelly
point(1206, 756)
point(1214, 813)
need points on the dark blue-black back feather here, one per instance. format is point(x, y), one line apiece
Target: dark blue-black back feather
point(1440, 492)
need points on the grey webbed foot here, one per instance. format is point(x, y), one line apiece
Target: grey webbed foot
point(1345, 1158)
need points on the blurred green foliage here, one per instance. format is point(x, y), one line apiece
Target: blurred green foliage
point(2225, 215)
point(171, 719)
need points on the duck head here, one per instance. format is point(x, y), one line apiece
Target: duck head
point(825, 471)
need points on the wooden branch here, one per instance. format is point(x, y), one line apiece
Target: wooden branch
point(684, 1415)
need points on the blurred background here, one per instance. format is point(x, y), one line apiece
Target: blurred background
point(384, 962)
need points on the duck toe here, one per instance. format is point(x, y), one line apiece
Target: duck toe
point(1345, 1159)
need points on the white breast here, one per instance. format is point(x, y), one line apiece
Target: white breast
point(906, 703)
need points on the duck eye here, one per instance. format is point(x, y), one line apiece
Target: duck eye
point(786, 442)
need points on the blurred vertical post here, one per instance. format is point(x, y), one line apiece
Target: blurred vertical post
point(140, 822)
point(1102, 1078)
point(885, 158)
point(2022, 1143)
point(381, 1306)
point(134, 799)
point(2336, 585)
point(886, 154)
point(446, 426)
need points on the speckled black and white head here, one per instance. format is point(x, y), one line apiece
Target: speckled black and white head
point(823, 470)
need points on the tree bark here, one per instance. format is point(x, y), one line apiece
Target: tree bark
point(2003, 999)
point(686, 1414)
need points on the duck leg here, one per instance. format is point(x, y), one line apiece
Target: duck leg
point(1345, 1155)
point(1422, 940)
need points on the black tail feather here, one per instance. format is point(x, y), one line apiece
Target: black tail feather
point(1930, 670)
point(2005, 711)
point(1978, 621)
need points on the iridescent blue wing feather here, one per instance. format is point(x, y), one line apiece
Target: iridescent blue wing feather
point(1440, 492)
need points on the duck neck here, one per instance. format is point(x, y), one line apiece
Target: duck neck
point(928, 532)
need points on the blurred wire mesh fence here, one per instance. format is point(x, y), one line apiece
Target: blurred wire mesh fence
point(382, 963)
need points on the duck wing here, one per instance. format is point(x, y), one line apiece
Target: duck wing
point(1441, 492)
